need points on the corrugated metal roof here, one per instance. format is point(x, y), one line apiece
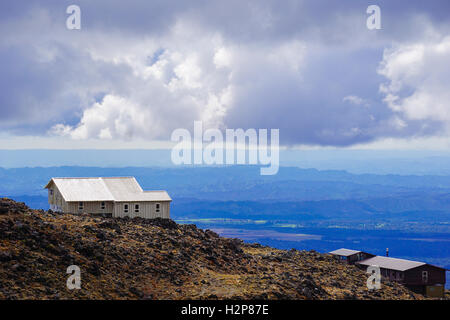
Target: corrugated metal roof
point(105, 189)
point(391, 263)
point(344, 252)
point(82, 189)
point(122, 188)
point(157, 195)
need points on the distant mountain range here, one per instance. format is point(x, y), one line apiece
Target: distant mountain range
point(403, 162)
point(240, 190)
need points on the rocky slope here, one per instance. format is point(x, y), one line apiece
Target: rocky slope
point(159, 259)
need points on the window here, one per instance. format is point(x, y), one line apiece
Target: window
point(425, 276)
point(80, 206)
point(158, 207)
point(125, 208)
point(103, 205)
point(136, 208)
point(50, 191)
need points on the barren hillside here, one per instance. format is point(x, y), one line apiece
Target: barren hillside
point(159, 259)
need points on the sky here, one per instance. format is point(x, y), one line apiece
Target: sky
point(138, 70)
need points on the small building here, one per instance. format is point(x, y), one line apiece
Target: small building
point(115, 196)
point(418, 276)
point(350, 256)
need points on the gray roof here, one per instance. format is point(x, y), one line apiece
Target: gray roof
point(344, 252)
point(120, 189)
point(391, 263)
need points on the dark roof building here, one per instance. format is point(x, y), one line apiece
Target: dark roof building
point(350, 256)
point(419, 276)
point(391, 263)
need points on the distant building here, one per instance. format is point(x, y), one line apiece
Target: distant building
point(118, 197)
point(418, 276)
point(350, 256)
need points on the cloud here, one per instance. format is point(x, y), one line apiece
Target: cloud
point(355, 100)
point(418, 88)
point(140, 70)
point(184, 84)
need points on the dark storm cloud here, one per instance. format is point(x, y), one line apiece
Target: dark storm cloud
point(79, 79)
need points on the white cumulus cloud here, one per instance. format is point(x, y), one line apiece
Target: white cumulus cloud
point(418, 86)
